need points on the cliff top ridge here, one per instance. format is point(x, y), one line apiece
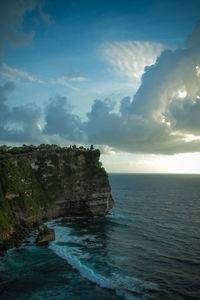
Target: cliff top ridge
point(44, 147)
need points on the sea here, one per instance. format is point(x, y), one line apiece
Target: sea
point(148, 247)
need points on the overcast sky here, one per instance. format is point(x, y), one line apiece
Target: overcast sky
point(121, 75)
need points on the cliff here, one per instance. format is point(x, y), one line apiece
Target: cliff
point(41, 183)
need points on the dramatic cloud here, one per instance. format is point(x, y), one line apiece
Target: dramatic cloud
point(19, 124)
point(163, 116)
point(159, 115)
point(130, 58)
point(185, 116)
point(133, 133)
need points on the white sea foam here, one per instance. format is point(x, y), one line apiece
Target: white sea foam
point(132, 284)
point(90, 274)
point(123, 285)
point(86, 271)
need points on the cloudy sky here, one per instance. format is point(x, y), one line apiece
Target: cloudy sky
point(123, 75)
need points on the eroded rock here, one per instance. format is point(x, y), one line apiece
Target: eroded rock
point(45, 236)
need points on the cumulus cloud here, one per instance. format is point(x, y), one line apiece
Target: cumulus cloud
point(61, 121)
point(101, 124)
point(185, 115)
point(20, 123)
point(159, 116)
point(162, 114)
point(133, 133)
point(130, 58)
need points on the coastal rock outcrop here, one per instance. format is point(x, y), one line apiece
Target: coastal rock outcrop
point(42, 183)
point(45, 236)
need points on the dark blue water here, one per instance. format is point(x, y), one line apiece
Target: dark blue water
point(149, 248)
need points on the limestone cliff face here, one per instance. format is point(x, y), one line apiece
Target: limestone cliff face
point(48, 183)
point(73, 180)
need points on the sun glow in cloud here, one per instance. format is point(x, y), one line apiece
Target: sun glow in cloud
point(198, 70)
point(191, 137)
point(39, 126)
point(182, 93)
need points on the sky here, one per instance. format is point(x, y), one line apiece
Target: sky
point(121, 75)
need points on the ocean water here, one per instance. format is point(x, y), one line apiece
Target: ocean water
point(148, 248)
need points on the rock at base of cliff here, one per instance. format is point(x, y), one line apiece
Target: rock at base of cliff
point(45, 236)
